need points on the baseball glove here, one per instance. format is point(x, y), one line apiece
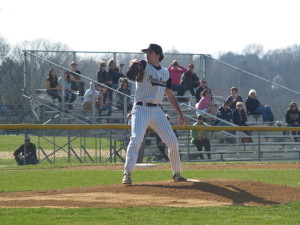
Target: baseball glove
point(135, 71)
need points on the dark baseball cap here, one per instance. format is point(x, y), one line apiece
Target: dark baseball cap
point(156, 48)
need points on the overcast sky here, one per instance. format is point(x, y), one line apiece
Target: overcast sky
point(193, 26)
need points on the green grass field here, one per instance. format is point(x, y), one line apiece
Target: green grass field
point(286, 214)
point(9, 143)
point(46, 177)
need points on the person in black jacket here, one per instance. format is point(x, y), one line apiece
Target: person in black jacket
point(225, 113)
point(104, 77)
point(115, 73)
point(239, 116)
point(292, 118)
point(233, 98)
point(201, 88)
point(76, 83)
point(254, 107)
point(190, 80)
point(26, 153)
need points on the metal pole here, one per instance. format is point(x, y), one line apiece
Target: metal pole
point(32, 64)
point(110, 146)
point(203, 66)
point(115, 151)
point(96, 150)
point(80, 143)
point(25, 69)
point(188, 146)
point(259, 152)
point(115, 56)
point(125, 108)
point(191, 58)
point(24, 162)
point(100, 147)
point(237, 142)
point(54, 144)
point(93, 102)
point(63, 95)
point(74, 56)
point(84, 153)
point(39, 145)
point(69, 146)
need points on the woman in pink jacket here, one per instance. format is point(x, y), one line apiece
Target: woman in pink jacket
point(205, 104)
point(176, 71)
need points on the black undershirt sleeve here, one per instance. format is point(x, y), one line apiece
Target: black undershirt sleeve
point(169, 83)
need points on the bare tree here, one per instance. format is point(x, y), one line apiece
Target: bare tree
point(4, 48)
point(11, 70)
point(11, 81)
point(254, 49)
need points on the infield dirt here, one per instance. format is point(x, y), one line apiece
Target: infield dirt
point(206, 192)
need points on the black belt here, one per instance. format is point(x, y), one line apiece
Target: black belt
point(147, 104)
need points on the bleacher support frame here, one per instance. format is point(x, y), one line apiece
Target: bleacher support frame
point(255, 151)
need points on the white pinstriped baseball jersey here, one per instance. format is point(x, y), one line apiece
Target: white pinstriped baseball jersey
point(151, 90)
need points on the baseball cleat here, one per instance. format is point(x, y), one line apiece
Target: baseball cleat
point(126, 178)
point(178, 178)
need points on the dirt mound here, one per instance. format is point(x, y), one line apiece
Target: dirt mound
point(168, 193)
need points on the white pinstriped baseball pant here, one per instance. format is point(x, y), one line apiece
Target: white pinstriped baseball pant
point(154, 117)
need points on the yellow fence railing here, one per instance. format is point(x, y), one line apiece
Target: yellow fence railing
point(123, 126)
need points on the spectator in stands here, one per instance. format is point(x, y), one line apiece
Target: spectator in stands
point(200, 89)
point(239, 116)
point(106, 108)
point(225, 114)
point(53, 87)
point(104, 77)
point(115, 73)
point(205, 103)
point(175, 71)
point(76, 83)
point(233, 98)
point(26, 153)
point(124, 88)
point(200, 138)
point(292, 118)
point(66, 83)
point(190, 80)
point(254, 107)
point(87, 102)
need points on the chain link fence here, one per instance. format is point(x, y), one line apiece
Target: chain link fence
point(62, 146)
point(221, 77)
point(38, 64)
point(59, 146)
point(92, 144)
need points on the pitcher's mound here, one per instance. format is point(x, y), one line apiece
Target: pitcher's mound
point(193, 193)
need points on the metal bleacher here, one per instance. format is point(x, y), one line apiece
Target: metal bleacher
point(266, 144)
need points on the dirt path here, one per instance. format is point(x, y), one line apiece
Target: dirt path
point(195, 193)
